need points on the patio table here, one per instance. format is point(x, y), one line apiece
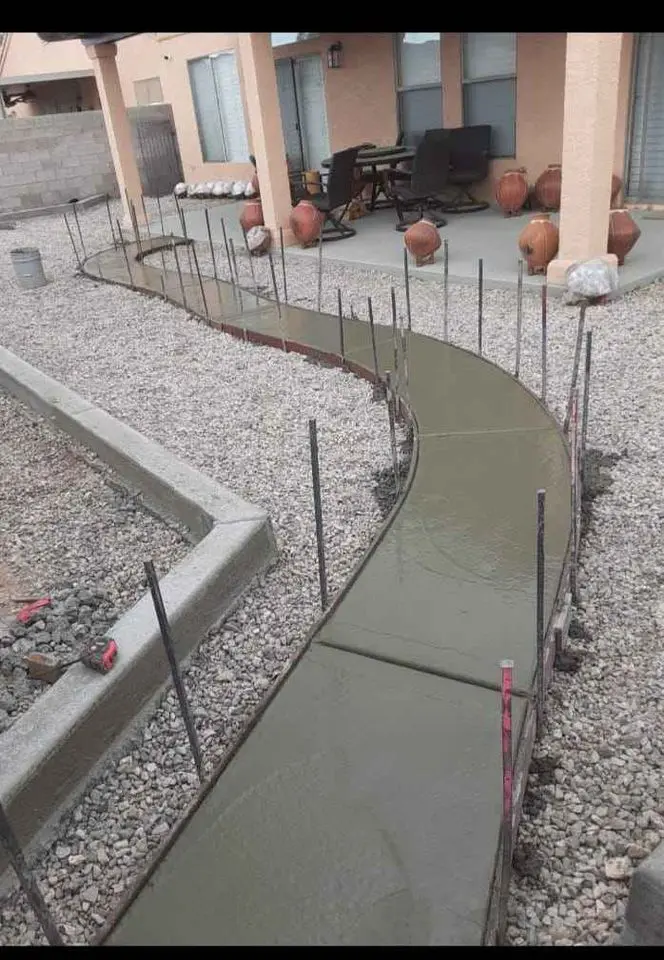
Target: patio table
point(379, 157)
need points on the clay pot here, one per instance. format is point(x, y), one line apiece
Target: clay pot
point(422, 240)
point(512, 191)
point(306, 222)
point(623, 234)
point(616, 187)
point(538, 242)
point(548, 186)
point(252, 215)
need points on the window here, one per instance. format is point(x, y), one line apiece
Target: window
point(419, 92)
point(148, 91)
point(281, 39)
point(489, 87)
point(215, 87)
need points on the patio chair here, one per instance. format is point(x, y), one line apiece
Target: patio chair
point(340, 189)
point(431, 168)
point(469, 164)
point(298, 185)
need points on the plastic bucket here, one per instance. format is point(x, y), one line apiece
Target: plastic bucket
point(28, 267)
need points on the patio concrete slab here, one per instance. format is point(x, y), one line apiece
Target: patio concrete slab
point(314, 835)
point(487, 234)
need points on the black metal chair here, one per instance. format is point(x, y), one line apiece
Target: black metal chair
point(340, 189)
point(469, 164)
point(298, 186)
point(431, 169)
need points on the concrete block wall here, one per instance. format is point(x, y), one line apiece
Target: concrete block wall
point(55, 158)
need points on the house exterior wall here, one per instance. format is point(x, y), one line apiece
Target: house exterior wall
point(361, 98)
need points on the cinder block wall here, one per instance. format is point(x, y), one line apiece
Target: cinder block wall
point(54, 158)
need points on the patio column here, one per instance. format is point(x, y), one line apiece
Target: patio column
point(264, 116)
point(117, 127)
point(592, 75)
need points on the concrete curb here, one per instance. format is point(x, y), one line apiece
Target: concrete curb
point(52, 748)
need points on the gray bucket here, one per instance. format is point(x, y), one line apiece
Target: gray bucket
point(28, 267)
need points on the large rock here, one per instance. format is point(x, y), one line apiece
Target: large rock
point(644, 920)
point(590, 280)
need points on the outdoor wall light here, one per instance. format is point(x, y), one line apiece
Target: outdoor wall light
point(334, 56)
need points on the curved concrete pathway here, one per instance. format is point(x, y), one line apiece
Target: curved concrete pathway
point(363, 804)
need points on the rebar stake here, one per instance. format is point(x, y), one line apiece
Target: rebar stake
point(179, 271)
point(178, 683)
point(391, 404)
point(407, 285)
point(126, 256)
point(446, 329)
point(78, 227)
point(342, 347)
point(544, 357)
point(506, 677)
point(575, 366)
point(71, 237)
point(12, 848)
point(318, 511)
point(519, 318)
point(541, 679)
point(480, 294)
point(373, 338)
point(283, 263)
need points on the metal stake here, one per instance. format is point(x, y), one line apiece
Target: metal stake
point(342, 348)
point(575, 365)
point(183, 221)
point(373, 339)
point(480, 292)
point(274, 281)
point(446, 331)
point(251, 264)
point(395, 343)
point(519, 318)
point(506, 672)
point(137, 229)
point(71, 237)
point(200, 282)
point(161, 216)
point(320, 270)
point(389, 396)
point(544, 305)
point(145, 217)
point(541, 682)
point(169, 646)
point(124, 250)
point(586, 396)
point(78, 227)
point(110, 218)
point(209, 233)
point(283, 262)
point(575, 495)
point(407, 285)
point(228, 252)
point(177, 267)
point(318, 511)
point(231, 247)
point(12, 849)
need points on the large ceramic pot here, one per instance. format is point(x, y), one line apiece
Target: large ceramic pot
point(422, 240)
point(538, 242)
point(616, 187)
point(623, 234)
point(306, 222)
point(512, 191)
point(548, 186)
point(252, 215)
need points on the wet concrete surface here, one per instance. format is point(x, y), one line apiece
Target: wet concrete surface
point(364, 808)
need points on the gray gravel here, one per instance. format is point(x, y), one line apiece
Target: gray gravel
point(603, 808)
point(64, 529)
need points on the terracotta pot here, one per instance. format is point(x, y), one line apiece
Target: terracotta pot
point(538, 242)
point(255, 185)
point(252, 215)
point(616, 187)
point(512, 191)
point(623, 234)
point(548, 185)
point(306, 222)
point(422, 240)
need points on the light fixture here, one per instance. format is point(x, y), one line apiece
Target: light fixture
point(334, 56)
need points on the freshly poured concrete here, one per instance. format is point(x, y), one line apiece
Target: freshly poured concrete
point(353, 815)
point(365, 805)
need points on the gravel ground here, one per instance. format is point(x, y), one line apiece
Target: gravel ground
point(595, 805)
point(63, 528)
